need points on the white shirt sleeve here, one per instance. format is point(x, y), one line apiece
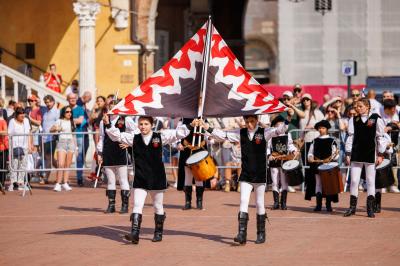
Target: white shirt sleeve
point(380, 139)
point(350, 132)
point(169, 136)
point(291, 147)
point(118, 136)
point(334, 149)
point(269, 147)
point(310, 154)
point(99, 146)
point(131, 126)
point(271, 132)
point(231, 136)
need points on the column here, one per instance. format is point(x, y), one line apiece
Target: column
point(86, 12)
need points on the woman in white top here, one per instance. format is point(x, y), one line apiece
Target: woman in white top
point(66, 146)
point(21, 145)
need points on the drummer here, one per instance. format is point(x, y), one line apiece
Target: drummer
point(365, 146)
point(185, 176)
point(253, 142)
point(149, 169)
point(278, 147)
point(323, 149)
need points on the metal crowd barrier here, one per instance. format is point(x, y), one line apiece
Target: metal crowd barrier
point(45, 139)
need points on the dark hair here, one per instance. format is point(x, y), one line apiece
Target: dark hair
point(389, 103)
point(366, 102)
point(19, 111)
point(75, 81)
point(62, 116)
point(111, 96)
point(248, 116)
point(11, 102)
point(49, 98)
point(101, 97)
point(148, 118)
point(52, 65)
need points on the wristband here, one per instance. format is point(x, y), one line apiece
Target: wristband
point(210, 130)
point(108, 125)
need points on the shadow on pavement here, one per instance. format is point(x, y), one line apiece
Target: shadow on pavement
point(77, 209)
point(116, 233)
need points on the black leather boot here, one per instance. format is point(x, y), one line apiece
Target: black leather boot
point(276, 200)
point(353, 206)
point(328, 204)
point(136, 219)
point(261, 228)
point(378, 198)
point(370, 206)
point(159, 227)
point(188, 197)
point(318, 197)
point(243, 218)
point(111, 201)
point(283, 200)
point(199, 197)
point(125, 201)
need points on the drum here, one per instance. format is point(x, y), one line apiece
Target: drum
point(384, 175)
point(331, 178)
point(202, 165)
point(293, 172)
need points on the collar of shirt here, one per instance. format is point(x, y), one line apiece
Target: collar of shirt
point(324, 137)
point(147, 138)
point(250, 133)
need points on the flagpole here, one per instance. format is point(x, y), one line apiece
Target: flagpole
point(206, 60)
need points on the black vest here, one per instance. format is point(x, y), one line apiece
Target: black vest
point(149, 168)
point(253, 157)
point(364, 147)
point(113, 155)
point(279, 145)
point(323, 147)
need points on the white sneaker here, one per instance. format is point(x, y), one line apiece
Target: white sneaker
point(394, 189)
point(360, 187)
point(57, 187)
point(291, 189)
point(66, 187)
point(10, 188)
point(175, 184)
point(383, 190)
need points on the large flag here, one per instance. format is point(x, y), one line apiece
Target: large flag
point(174, 89)
point(230, 90)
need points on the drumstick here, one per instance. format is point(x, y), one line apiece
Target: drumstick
point(199, 141)
point(347, 178)
point(194, 136)
point(97, 176)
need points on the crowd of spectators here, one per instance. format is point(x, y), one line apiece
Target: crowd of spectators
point(76, 123)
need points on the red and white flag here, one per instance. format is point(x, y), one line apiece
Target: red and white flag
point(174, 90)
point(231, 91)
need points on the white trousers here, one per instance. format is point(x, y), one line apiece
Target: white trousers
point(370, 172)
point(245, 192)
point(122, 172)
point(189, 178)
point(276, 175)
point(139, 197)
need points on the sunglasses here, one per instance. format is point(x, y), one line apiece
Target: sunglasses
point(30, 101)
point(306, 99)
point(285, 99)
point(355, 95)
point(68, 112)
point(297, 90)
point(330, 111)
